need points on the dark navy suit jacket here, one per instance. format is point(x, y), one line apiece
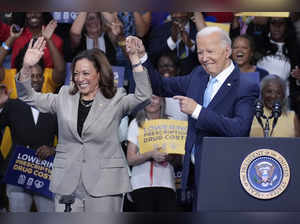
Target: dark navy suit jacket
point(229, 114)
point(18, 116)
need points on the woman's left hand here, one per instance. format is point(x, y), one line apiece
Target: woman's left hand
point(34, 52)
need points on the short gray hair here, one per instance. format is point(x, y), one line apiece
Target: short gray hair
point(275, 78)
point(215, 29)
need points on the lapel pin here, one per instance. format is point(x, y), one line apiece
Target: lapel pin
point(228, 84)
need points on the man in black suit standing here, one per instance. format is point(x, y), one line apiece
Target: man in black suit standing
point(31, 129)
point(177, 36)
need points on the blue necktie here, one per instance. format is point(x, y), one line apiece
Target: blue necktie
point(209, 91)
point(206, 100)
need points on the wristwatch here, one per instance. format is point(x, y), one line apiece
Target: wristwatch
point(136, 65)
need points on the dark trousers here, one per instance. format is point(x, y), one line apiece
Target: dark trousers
point(154, 199)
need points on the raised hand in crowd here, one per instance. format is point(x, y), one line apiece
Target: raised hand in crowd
point(14, 32)
point(49, 29)
point(58, 59)
point(186, 39)
point(4, 94)
point(32, 56)
point(6, 45)
point(175, 30)
point(117, 28)
point(44, 152)
point(198, 19)
point(296, 72)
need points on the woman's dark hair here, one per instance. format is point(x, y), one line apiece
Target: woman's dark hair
point(141, 115)
point(290, 48)
point(99, 15)
point(251, 45)
point(20, 58)
point(101, 64)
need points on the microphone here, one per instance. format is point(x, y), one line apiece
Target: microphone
point(259, 111)
point(67, 200)
point(276, 112)
point(276, 109)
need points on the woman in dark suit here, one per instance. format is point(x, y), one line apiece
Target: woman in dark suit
point(89, 162)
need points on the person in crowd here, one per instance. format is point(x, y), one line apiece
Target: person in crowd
point(280, 50)
point(253, 26)
point(152, 176)
point(120, 25)
point(32, 129)
point(272, 89)
point(88, 31)
point(33, 28)
point(89, 163)
point(243, 49)
point(280, 56)
point(53, 77)
point(177, 36)
point(168, 66)
point(217, 99)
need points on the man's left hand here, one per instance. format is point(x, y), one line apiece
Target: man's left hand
point(187, 105)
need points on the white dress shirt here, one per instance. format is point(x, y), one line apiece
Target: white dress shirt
point(221, 77)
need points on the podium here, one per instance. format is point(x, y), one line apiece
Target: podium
point(220, 188)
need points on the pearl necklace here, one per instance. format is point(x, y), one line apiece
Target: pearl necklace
point(83, 103)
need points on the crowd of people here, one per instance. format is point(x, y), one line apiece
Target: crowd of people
point(175, 67)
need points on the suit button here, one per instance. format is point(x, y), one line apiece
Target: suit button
point(83, 160)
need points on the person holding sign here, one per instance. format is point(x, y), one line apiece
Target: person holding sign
point(218, 100)
point(89, 163)
point(33, 130)
point(152, 176)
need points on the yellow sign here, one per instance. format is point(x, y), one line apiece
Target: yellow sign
point(224, 26)
point(169, 135)
point(264, 14)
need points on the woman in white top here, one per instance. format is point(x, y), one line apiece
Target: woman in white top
point(152, 176)
point(280, 55)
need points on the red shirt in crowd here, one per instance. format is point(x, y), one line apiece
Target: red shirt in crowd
point(24, 39)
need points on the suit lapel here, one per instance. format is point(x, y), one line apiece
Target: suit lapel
point(201, 86)
point(73, 113)
point(229, 83)
point(100, 102)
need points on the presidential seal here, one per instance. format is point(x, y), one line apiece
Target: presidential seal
point(264, 174)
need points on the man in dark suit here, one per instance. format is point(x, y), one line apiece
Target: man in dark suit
point(31, 129)
point(217, 99)
point(177, 36)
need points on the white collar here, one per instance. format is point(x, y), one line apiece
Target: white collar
point(222, 76)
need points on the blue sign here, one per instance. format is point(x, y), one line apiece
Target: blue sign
point(64, 17)
point(28, 171)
